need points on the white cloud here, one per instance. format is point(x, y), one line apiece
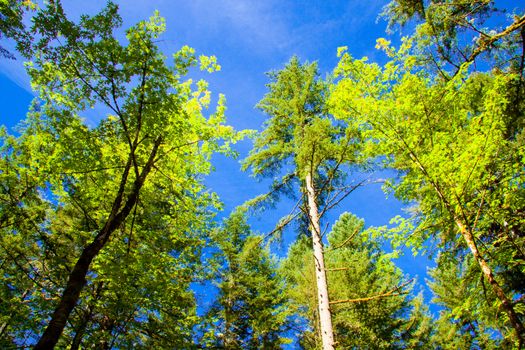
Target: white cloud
point(14, 70)
point(261, 25)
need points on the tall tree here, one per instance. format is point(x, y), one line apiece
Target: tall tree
point(118, 193)
point(468, 155)
point(459, 153)
point(371, 304)
point(251, 310)
point(302, 141)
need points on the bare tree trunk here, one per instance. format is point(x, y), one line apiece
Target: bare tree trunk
point(325, 317)
point(506, 304)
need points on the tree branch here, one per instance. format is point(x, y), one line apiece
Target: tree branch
point(394, 292)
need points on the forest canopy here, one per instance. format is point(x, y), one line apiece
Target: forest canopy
point(111, 238)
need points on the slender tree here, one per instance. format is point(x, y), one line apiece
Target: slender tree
point(251, 310)
point(303, 141)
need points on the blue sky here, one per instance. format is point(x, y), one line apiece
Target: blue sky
point(249, 38)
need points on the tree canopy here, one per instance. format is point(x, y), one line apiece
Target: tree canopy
point(97, 203)
point(110, 239)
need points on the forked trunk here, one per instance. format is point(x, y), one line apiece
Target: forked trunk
point(325, 317)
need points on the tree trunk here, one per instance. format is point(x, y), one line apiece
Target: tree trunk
point(77, 277)
point(506, 304)
point(71, 294)
point(79, 334)
point(325, 317)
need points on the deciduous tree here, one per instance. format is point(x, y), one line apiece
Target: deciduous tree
point(118, 210)
point(459, 154)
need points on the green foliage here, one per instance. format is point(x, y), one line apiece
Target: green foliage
point(450, 141)
point(128, 188)
point(294, 102)
point(251, 310)
point(300, 136)
point(63, 183)
point(449, 34)
point(467, 320)
point(371, 308)
point(12, 25)
point(458, 149)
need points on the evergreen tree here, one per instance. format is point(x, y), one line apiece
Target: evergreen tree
point(467, 319)
point(251, 310)
point(370, 299)
point(302, 141)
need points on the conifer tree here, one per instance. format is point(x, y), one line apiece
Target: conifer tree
point(251, 310)
point(371, 302)
point(466, 319)
point(302, 141)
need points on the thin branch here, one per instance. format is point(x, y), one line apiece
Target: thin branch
point(325, 231)
point(394, 292)
point(334, 201)
point(350, 238)
point(338, 268)
point(175, 148)
point(281, 225)
point(486, 41)
point(142, 98)
point(132, 225)
point(91, 170)
point(479, 209)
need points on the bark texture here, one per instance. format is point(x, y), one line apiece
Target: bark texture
point(325, 316)
point(506, 304)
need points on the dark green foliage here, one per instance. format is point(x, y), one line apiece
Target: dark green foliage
point(469, 317)
point(251, 311)
point(12, 26)
point(371, 305)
